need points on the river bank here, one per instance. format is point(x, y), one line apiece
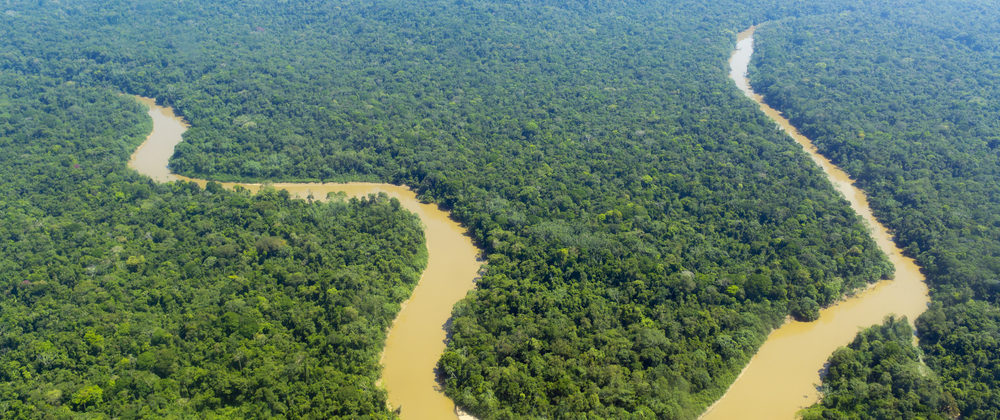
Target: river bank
point(417, 337)
point(783, 376)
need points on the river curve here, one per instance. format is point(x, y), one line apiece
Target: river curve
point(783, 376)
point(417, 336)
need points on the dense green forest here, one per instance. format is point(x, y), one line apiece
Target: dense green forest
point(880, 376)
point(644, 224)
point(905, 97)
point(131, 299)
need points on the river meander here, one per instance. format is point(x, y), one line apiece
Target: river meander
point(782, 377)
point(417, 337)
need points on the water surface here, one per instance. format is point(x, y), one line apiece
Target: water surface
point(783, 376)
point(416, 338)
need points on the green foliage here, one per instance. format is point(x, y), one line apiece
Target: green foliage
point(904, 96)
point(87, 396)
point(878, 376)
point(962, 342)
point(644, 225)
point(123, 298)
point(804, 309)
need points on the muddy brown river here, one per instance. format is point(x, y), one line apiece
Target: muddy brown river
point(416, 338)
point(782, 377)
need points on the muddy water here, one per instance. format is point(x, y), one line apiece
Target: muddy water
point(782, 377)
point(417, 337)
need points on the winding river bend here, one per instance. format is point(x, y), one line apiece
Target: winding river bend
point(779, 380)
point(782, 377)
point(416, 338)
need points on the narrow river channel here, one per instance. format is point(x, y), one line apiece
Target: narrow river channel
point(782, 377)
point(417, 337)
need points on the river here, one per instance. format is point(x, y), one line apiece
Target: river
point(417, 337)
point(782, 377)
